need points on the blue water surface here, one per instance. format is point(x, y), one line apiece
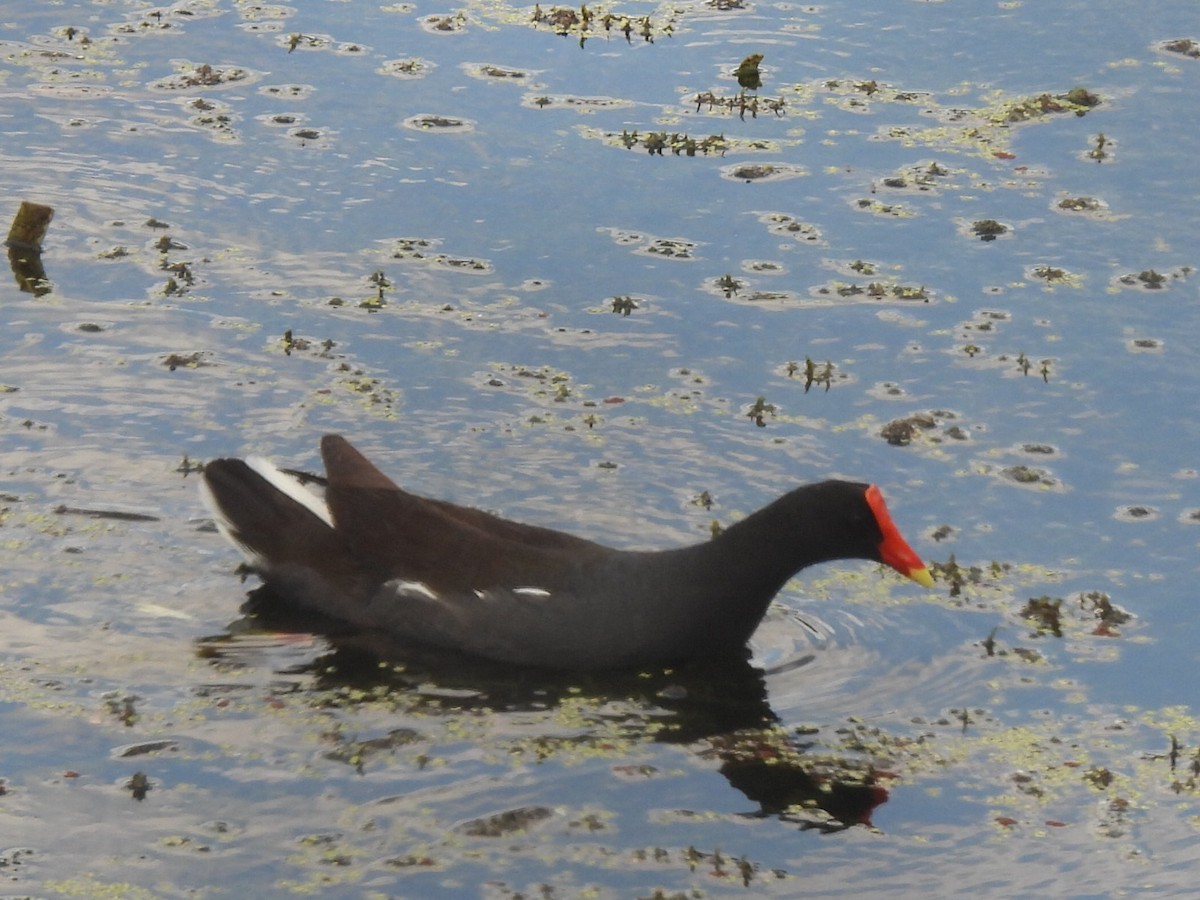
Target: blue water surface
point(440, 205)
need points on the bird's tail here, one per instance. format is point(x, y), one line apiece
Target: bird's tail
point(281, 524)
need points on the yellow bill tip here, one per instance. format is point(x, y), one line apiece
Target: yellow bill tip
point(921, 576)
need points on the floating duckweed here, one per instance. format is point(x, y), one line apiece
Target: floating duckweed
point(624, 305)
point(306, 134)
point(874, 290)
point(581, 105)
point(922, 177)
point(194, 360)
point(658, 142)
point(1080, 204)
point(307, 41)
point(204, 75)
point(814, 374)
point(1099, 151)
point(1182, 46)
point(1148, 279)
point(439, 124)
point(900, 432)
point(728, 285)
point(449, 24)
point(740, 103)
point(893, 210)
point(1045, 614)
point(1078, 100)
point(410, 68)
point(764, 266)
point(1028, 476)
point(1048, 273)
point(785, 225)
point(1144, 344)
point(594, 22)
point(648, 245)
point(1136, 513)
point(494, 73)
point(287, 91)
point(759, 409)
point(988, 229)
point(761, 172)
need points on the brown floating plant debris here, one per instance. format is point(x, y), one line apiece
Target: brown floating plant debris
point(29, 226)
point(1183, 46)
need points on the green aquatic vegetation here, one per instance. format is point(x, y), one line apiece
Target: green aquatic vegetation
point(900, 432)
point(1108, 614)
point(1045, 614)
point(1054, 276)
point(679, 144)
point(893, 210)
point(1184, 47)
point(309, 41)
point(758, 411)
point(875, 291)
point(203, 75)
point(1025, 365)
point(789, 226)
point(728, 285)
point(958, 577)
point(445, 24)
point(587, 22)
point(624, 305)
point(988, 229)
point(740, 103)
point(410, 67)
point(1077, 100)
point(1148, 278)
point(817, 375)
point(1080, 204)
point(500, 72)
point(432, 123)
point(748, 73)
point(754, 171)
point(382, 287)
point(870, 88)
point(1024, 474)
point(1152, 279)
point(194, 360)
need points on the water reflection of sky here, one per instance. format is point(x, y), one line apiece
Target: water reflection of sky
point(491, 376)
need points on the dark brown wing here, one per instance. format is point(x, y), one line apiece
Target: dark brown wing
point(452, 549)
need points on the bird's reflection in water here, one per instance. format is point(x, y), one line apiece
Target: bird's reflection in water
point(719, 708)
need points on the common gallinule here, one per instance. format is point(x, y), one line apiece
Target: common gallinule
point(366, 552)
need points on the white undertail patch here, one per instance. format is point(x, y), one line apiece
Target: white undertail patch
point(225, 527)
point(291, 486)
point(286, 484)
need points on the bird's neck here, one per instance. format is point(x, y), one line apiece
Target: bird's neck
point(752, 559)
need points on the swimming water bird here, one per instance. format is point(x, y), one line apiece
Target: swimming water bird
point(428, 572)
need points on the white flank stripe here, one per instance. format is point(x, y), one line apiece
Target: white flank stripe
point(412, 589)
